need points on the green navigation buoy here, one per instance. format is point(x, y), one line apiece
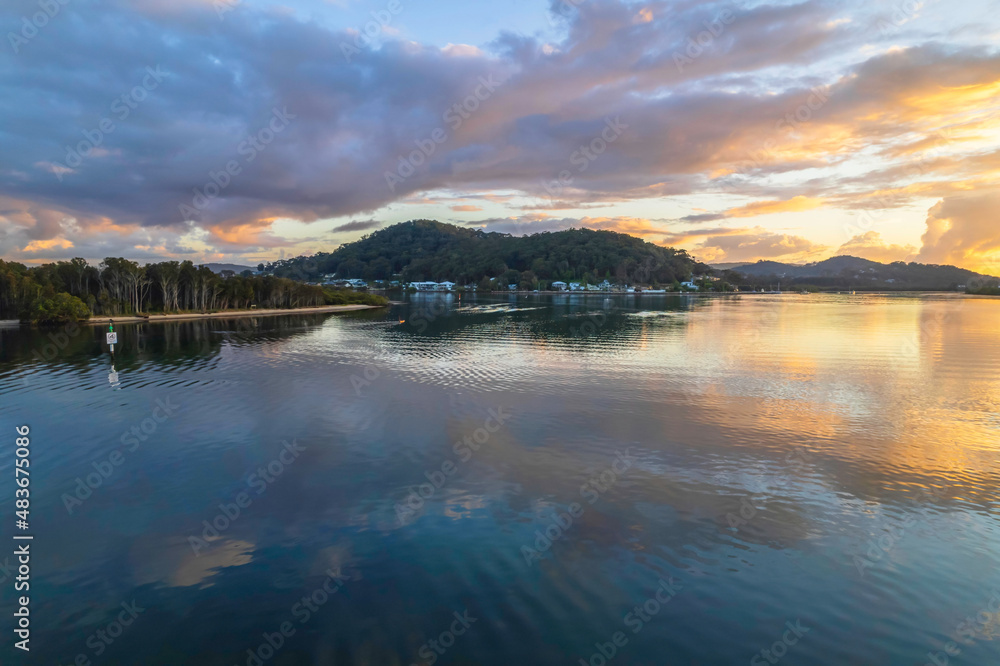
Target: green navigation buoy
point(112, 336)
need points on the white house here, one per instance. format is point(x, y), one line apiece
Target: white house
point(445, 286)
point(354, 283)
point(575, 286)
point(559, 286)
point(690, 285)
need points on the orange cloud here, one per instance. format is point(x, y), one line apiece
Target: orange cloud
point(39, 245)
point(255, 233)
point(645, 15)
point(871, 246)
point(467, 208)
point(793, 205)
point(754, 244)
point(962, 230)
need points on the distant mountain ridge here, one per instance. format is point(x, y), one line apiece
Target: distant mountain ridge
point(236, 268)
point(858, 273)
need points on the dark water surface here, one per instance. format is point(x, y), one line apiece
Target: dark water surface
point(712, 473)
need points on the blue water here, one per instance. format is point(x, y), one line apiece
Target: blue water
point(814, 476)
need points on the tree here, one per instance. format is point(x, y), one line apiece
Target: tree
point(58, 308)
point(527, 281)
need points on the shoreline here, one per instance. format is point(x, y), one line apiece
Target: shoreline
point(843, 292)
point(94, 321)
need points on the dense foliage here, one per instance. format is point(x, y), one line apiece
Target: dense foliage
point(984, 289)
point(428, 250)
point(59, 309)
point(68, 290)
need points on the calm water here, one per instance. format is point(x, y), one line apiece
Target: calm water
point(732, 467)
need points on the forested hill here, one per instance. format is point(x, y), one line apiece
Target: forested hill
point(429, 250)
point(857, 273)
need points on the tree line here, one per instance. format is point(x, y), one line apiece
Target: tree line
point(68, 290)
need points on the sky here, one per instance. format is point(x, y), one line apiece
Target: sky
point(245, 131)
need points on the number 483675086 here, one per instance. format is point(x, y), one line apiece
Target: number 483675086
point(21, 473)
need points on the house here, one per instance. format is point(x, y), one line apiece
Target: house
point(575, 286)
point(512, 287)
point(445, 286)
point(424, 286)
point(352, 283)
point(690, 285)
point(559, 286)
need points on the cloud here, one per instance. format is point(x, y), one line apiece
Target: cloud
point(41, 245)
point(350, 121)
point(356, 225)
point(870, 245)
point(709, 244)
point(535, 223)
point(962, 230)
point(755, 245)
point(772, 111)
point(793, 205)
point(252, 235)
point(466, 208)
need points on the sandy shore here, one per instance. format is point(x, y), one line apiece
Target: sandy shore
point(233, 313)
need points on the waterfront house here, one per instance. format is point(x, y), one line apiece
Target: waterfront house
point(559, 286)
point(349, 283)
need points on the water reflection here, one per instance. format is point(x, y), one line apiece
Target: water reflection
point(777, 442)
